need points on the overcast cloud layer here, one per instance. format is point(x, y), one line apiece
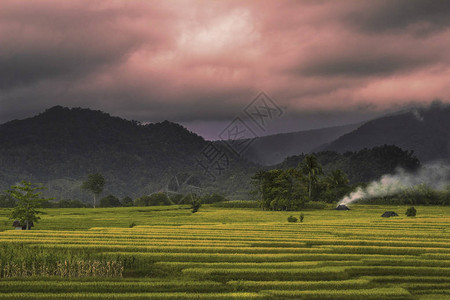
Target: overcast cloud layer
point(196, 61)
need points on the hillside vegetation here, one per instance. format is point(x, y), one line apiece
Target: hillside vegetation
point(61, 146)
point(364, 165)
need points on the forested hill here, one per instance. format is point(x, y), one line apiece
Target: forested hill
point(424, 130)
point(79, 131)
point(60, 146)
point(364, 165)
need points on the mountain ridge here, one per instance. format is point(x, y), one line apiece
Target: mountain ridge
point(273, 149)
point(68, 143)
point(425, 130)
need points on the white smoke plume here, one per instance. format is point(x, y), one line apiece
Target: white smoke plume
point(435, 175)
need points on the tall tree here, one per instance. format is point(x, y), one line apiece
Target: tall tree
point(335, 180)
point(279, 189)
point(29, 200)
point(110, 201)
point(94, 184)
point(311, 168)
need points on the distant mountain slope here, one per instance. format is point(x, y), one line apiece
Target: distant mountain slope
point(424, 130)
point(273, 149)
point(363, 165)
point(61, 146)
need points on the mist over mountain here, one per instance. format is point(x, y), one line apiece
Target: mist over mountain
point(425, 130)
point(273, 149)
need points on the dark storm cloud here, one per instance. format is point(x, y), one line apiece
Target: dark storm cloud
point(44, 40)
point(415, 16)
point(22, 68)
point(362, 65)
point(202, 60)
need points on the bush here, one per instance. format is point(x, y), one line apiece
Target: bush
point(132, 224)
point(314, 205)
point(155, 199)
point(196, 203)
point(292, 219)
point(176, 198)
point(141, 201)
point(69, 204)
point(110, 201)
point(48, 204)
point(187, 199)
point(213, 198)
point(159, 199)
point(302, 216)
point(237, 204)
point(127, 202)
point(411, 212)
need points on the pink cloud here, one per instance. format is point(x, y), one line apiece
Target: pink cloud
point(206, 59)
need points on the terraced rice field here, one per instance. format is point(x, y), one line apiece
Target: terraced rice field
point(332, 255)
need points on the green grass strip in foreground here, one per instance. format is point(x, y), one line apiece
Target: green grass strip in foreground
point(30, 296)
point(300, 285)
point(329, 273)
point(367, 294)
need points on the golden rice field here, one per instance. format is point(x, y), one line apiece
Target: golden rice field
point(227, 254)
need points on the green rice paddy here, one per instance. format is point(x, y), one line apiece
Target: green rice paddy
point(221, 253)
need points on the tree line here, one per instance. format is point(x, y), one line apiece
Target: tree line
point(155, 199)
point(26, 199)
point(292, 188)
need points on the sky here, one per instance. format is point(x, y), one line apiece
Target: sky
point(201, 63)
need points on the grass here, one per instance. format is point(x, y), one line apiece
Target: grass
point(227, 253)
point(125, 296)
point(379, 293)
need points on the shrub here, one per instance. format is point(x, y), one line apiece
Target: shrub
point(213, 198)
point(195, 203)
point(127, 201)
point(411, 212)
point(292, 219)
point(159, 199)
point(132, 224)
point(48, 204)
point(141, 201)
point(237, 204)
point(302, 216)
point(176, 198)
point(187, 199)
point(69, 204)
point(153, 200)
point(110, 201)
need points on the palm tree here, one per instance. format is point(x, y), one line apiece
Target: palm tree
point(311, 167)
point(336, 179)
